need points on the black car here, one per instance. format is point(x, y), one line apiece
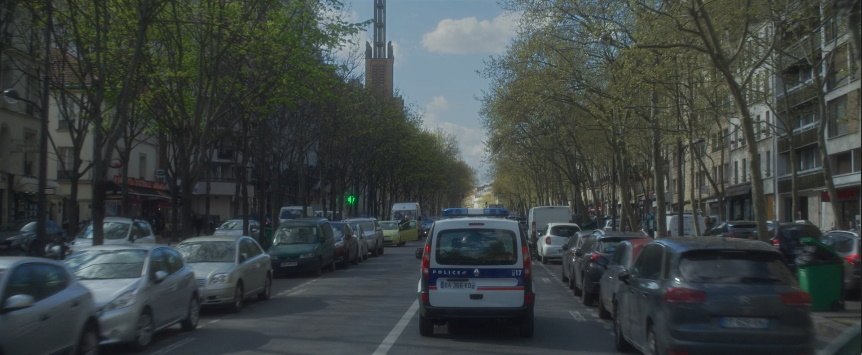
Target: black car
point(21, 235)
point(593, 261)
point(786, 237)
point(733, 229)
point(573, 253)
point(425, 226)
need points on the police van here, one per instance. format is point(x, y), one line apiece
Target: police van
point(475, 267)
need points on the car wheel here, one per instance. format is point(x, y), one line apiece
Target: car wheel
point(575, 287)
point(587, 298)
point(194, 315)
point(652, 342)
point(563, 272)
point(380, 251)
point(355, 259)
point(331, 266)
point(88, 344)
point(267, 289)
point(543, 259)
point(426, 327)
point(620, 342)
point(603, 312)
point(238, 298)
point(572, 283)
point(526, 328)
point(144, 331)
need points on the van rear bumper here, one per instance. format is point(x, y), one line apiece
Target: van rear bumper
point(444, 313)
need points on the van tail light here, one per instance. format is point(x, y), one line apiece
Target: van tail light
point(776, 243)
point(529, 296)
point(548, 241)
point(684, 295)
point(426, 262)
point(853, 259)
point(796, 298)
point(423, 297)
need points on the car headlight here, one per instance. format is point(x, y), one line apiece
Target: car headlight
point(125, 300)
point(306, 255)
point(219, 279)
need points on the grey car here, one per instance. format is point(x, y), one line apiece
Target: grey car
point(117, 230)
point(846, 244)
point(712, 295)
point(44, 309)
point(228, 269)
point(234, 228)
point(372, 233)
point(139, 290)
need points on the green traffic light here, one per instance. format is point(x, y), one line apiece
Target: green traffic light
point(351, 200)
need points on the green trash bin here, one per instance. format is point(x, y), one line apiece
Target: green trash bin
point(266, 240)
point(820, 273)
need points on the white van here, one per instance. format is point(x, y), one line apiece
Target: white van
point(410, 210)
point(687, 224)
point(540, 216)
point(293, 212)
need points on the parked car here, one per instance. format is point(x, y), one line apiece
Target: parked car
point(391, 234)
point(589, 267)
point(117, 230)
point(846, 244)
point(568, 250)
point(44, 309)
point(360, 240)
point(786, 237)
point(234, 228)
point(228, 269)
point(20, 236)
point(425, 226)
point(346, 245)
point(734, 229)
point(610, 284)
point(303, 245)
point(550, 243)
point(372, 233)
point(577, 252)
point(139, 289)
point(708, 295)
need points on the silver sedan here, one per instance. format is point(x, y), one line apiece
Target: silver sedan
point(139, 289)
point(228, 269)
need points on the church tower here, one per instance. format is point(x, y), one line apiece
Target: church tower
point(379, 59)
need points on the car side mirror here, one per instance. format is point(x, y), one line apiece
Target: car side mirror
point(625, 277)
point(17, 302)
point(419, 252)
point(160, 276)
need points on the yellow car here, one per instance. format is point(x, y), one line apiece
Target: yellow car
point(391, 234)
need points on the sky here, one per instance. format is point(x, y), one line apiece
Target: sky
point(440, 47)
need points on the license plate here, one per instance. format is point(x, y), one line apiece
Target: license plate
point(289, 264)
point(457, 285)
point(747, 323)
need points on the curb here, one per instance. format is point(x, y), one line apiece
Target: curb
point(827, 329)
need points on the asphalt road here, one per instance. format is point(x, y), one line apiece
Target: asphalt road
point(371, 308)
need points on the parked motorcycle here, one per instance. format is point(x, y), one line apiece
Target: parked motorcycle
point(58, 249)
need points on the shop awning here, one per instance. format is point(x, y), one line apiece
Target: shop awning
point(141, 192)
point(737, 190)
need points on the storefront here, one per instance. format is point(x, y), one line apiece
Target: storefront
point(738, 203)
point(848, 205)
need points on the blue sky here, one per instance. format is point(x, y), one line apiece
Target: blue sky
point(439, 47)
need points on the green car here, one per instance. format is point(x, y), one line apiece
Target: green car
point(391, 234)
point(409, 230)
point(303, 245)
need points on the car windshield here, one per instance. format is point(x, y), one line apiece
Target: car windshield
point(799, 231)
point(302, 234)
point(26, 226)
point(107, 264)
point(734, 266)
point(564, 231)
point(608, 246)
point(208, 252)
point(841, 242)
point(476, 247)
point(233, 224)
point(113, 230)
point(291, 214)
point(337, 231)
point(389, 225)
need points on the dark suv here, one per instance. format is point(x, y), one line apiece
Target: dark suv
point(786, 237)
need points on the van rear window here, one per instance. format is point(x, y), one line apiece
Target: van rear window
point(734, 266)
point(476, 247)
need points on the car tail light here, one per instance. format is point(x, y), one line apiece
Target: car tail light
point(684, 295)
point(426, 262)
point(529, 296)
point(423, 297)
point(594, 257)
point(853, 259)
point(776, 243)
point(548, 241)
point(797, 298)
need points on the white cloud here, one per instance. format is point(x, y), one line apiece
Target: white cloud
point(471, 35)
point(470, 140)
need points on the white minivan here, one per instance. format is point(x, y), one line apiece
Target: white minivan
point(475, 267)
point(540, 216)
point(687, 224)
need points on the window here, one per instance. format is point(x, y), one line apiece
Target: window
point(175, 260)
point(839, 124)
point(842, 163)
point(158, 262)
point(66, 119)
point(50, 280)
point(66, 156)
point(736, 172)
point(768, 126)
point(476, 247)
point(734, 266)
point(809, 159)
point(804, 118)
point(839, 68)
point(758, 128)
point(648, 264)
point(768, 163)
point(142, 166)
point(744, 171)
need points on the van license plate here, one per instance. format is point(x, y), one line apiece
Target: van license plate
point(289, 264)
point(457, 285)
point(741, 322)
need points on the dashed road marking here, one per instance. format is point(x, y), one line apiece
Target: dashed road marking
point(578, 316)
point(390, 339)
point(546, 280)
point(174, 346)
point(213, 321)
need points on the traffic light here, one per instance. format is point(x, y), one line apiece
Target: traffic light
point(351, 200)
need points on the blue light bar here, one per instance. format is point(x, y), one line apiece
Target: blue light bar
point(475, 212)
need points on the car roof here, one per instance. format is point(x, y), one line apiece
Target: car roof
point(685, 244)
point(305, 221)
point(219, 238)
point(853, 233)
point(8, 261)
point(465, 221)
point(137, 246)
point(563, 224)
point(618, 234)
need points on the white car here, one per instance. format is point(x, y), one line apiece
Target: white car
point(228, 269)
point(475, 267)
point(45, 310)
point(118, 230)
point(233, 228)
point(139, 289)
point(550, 243)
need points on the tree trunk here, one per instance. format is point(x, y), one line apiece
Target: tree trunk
point(658, 172)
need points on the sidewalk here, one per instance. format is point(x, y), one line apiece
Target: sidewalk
point(829, 325)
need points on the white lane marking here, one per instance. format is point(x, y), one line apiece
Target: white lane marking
point(297, 292)
point(546, 280)
point(578, 316)
point(173, 346)
point(213, 321)
point(390, 339)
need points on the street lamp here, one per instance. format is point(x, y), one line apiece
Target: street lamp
point(11, 96)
